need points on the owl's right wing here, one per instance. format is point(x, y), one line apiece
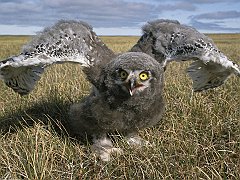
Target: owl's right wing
point(66, 41)
point(168, 40)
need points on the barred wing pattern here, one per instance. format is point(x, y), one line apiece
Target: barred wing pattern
point(66, 41)
point(168, 40)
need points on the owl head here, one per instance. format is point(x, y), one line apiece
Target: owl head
point(133, 74)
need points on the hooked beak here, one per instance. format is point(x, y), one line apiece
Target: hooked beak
point(132, 86)
point(132, 83)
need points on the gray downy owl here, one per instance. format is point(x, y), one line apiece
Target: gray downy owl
point(126, 89)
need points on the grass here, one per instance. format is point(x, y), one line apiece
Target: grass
point(198, 138)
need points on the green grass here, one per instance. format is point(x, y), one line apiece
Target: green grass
point(198, 138)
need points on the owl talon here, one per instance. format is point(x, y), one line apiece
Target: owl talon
point(103, 148)
point(105, 154)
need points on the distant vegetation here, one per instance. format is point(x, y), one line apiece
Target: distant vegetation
point(198, 138)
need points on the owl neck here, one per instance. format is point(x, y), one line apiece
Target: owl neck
point(137, 102)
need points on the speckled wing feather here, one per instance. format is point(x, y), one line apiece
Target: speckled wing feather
point(168, 40)
point(66, 41)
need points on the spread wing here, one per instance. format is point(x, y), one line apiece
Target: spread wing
point(66, 41)
point(168, 40)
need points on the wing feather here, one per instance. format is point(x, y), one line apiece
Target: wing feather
point(168, 40)
point(66, 41)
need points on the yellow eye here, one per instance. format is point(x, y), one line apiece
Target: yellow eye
point(144, 76)
point(123, 74)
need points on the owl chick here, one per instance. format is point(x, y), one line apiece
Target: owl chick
point(129, 98)
point(127, 88)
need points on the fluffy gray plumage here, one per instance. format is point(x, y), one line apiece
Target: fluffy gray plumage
point(111, 107)
point(127, 88)
point(66, 41)
point(168, 40)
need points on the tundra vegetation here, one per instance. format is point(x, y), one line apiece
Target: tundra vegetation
point(198, 138)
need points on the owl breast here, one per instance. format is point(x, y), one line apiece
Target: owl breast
point(129, 113)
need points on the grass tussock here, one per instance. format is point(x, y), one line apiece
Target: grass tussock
point(198, 138)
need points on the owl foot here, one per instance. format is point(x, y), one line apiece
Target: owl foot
point(103, 147)
point(137, 141)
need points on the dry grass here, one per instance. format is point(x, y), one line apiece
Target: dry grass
point(198, 138)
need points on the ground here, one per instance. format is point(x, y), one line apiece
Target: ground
point(199, 136)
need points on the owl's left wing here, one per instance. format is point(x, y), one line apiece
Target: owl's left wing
point(168, 40)
point(66, 41)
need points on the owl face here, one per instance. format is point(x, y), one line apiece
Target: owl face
point(132, 74)
point(133, 81)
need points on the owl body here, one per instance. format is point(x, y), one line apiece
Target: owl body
point(110, 107)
